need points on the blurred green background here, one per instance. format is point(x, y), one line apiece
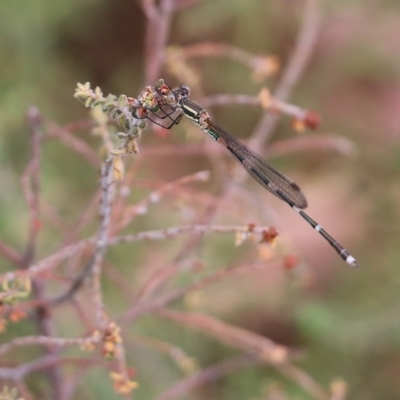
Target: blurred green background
point(347, 322)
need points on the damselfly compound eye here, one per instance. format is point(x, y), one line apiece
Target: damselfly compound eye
point(185, 91)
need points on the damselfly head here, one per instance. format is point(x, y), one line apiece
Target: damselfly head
point(182, 93)
point(185, 90)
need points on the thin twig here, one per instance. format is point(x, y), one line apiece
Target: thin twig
point(155, 196)
point(51, 261)
point(165, 299)
point(93, 264)
point(296, 144)
point(273, 103)
point(262, 65)
point(157, 34)
point(64, 134)
point(175, 353)
point(149, 8)
point(18, 373)
point(228, 334)
point(11, 254)
point(30, 182)
point(266, 349)
point(308, 143)
point(102, 238)
point(45, 340)
point(186, 3)
point(213, 373)
point(295, 68)
point(169, 233)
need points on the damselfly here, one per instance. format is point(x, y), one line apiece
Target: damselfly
point(272, 180)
